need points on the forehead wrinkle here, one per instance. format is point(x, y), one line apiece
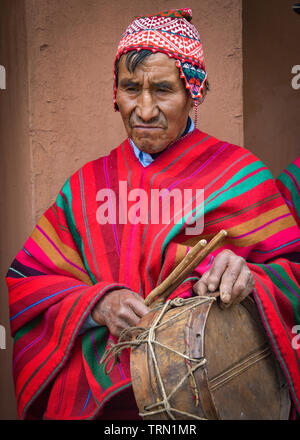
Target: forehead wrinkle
point(153, 79)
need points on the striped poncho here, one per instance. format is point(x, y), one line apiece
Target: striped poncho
point(288, 183)
point(71, 260)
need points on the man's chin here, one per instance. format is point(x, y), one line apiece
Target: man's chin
point(150, 147)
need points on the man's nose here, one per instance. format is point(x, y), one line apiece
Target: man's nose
point(147, 108)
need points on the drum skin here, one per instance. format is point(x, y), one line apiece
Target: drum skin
point(204, 362)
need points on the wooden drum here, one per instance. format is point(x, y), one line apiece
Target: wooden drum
point(193, 360)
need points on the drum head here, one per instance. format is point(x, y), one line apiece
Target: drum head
point(244, 377)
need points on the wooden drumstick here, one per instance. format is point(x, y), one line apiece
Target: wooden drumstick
point(171, 278)
point(189, 263)
point(192, 266)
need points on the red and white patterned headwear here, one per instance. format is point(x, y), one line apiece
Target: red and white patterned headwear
point(170, 32)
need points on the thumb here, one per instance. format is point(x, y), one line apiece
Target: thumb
point(201, 287)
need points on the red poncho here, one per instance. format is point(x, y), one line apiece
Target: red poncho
point(71, 260)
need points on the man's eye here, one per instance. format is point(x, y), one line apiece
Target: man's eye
point(163, 90)
point(131, 89)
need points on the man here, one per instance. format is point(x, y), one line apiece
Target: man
point(82, 276)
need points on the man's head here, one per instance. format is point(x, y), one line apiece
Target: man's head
point(159, 74)
point(153, 102)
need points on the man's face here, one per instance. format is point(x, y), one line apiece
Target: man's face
point(153, 102)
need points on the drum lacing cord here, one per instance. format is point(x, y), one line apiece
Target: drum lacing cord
point(148, 336)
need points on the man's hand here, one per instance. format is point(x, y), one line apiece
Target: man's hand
point(230, 275)
point(119, 310)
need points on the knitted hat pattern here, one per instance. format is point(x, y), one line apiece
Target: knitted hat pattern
point(170, 32)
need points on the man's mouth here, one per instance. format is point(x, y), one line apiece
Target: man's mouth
point(147, 127)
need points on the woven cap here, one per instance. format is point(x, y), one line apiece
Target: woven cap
point(170, 32)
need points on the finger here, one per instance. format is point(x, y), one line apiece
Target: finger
point(116, 328)
point(217, 269)
point(137, 305)
point(229, 278)
point(243, 286)
point(125, 319)
point(119, 325)
point(201, 287)
point(126, 314)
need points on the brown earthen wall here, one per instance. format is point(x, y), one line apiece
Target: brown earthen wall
point(15, 172)
point(271, 35)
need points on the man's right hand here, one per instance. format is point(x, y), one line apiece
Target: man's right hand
point(119, 310)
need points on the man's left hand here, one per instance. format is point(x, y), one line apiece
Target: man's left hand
point(230, 275)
